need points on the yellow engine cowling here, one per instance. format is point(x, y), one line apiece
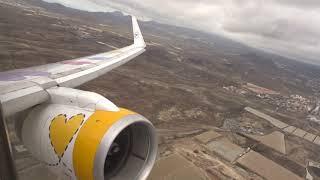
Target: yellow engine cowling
point(85, 144)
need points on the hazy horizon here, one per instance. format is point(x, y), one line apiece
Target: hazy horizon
point(284, 27)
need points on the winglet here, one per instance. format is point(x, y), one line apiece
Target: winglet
point(137, 35)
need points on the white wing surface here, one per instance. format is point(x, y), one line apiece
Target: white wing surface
point(21, 89)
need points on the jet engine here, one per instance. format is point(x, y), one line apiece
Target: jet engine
point(82, 135)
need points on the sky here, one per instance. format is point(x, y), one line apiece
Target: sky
point(287, 27)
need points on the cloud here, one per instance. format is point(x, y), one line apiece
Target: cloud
point(288, 27)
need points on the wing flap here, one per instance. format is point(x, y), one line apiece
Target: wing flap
point(10, 87)
point(44, 82)
point(22, 99)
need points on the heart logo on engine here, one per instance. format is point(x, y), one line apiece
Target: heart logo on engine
point(62, 130)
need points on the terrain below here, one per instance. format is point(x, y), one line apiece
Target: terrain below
point(187, 83)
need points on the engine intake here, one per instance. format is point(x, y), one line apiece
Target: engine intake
point(130, 154)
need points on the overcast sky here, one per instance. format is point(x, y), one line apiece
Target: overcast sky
point(289, 27)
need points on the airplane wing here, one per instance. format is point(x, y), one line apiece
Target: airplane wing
point(21, 89)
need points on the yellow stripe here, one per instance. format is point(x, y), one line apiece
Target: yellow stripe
point(89, 138)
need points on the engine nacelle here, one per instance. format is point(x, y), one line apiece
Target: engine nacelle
point(81, 135)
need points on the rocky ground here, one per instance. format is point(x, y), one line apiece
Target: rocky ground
point(178, 83)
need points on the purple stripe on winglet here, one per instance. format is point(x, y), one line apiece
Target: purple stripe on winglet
point(18, 75)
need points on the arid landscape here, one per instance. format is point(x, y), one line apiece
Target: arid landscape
point(188, 83)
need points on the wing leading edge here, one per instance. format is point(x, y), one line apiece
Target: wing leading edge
point(23, 88)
